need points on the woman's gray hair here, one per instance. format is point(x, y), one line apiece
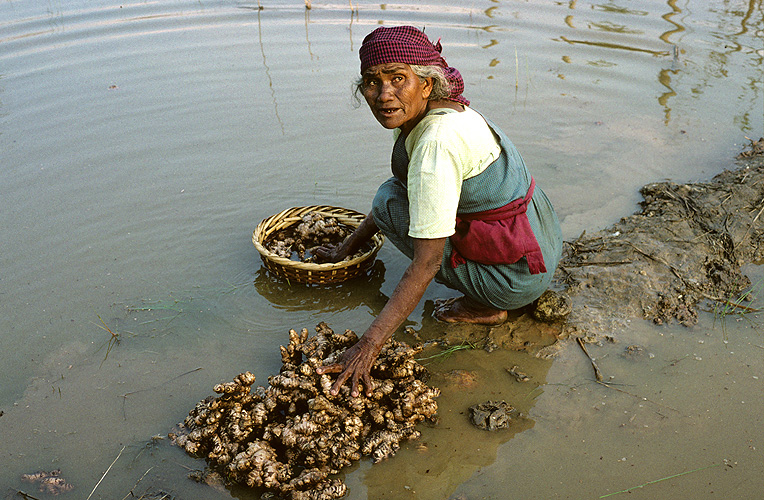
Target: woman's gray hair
point(440, 86)
point(441, 89)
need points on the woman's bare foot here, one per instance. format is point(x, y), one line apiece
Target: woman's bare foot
point(466, 310)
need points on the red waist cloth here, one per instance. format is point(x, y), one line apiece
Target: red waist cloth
point(499, 236)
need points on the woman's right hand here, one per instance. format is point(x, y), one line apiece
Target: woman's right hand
point(330, 253)
point(336, 253)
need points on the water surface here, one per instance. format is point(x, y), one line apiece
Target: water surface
point(142, 142)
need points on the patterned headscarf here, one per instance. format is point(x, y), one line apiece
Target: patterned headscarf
point(406, 44)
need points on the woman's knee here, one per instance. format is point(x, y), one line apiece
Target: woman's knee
point(390, 208)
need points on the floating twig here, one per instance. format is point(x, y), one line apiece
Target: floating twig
point(603, 263)
point(740, 306)
point(597, 372)
point(113, 340)
point(676, 361)
point(26, 496)
point(517, 71)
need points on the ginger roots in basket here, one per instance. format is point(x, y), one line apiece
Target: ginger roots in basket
point(300, 239)
point(293, 435)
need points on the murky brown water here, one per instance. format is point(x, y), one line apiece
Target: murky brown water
point(142, 142)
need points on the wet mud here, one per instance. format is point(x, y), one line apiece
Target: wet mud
point(684, 247)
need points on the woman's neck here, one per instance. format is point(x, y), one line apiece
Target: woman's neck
point(444, 103)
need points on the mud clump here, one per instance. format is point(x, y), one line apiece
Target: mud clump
point(517, 374)
point(292, 436)
point(492, 415)
point(636, 352)
point(552, 307)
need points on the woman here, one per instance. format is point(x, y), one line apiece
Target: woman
point(461, 203)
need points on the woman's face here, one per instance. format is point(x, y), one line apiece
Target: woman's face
point(396, 95)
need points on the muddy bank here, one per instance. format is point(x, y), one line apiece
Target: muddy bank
point(686, 245)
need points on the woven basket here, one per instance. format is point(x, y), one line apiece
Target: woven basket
point(310, 272)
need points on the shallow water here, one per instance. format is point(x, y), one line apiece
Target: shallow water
point(142, 142)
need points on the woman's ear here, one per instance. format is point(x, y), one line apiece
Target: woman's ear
point(427, 88)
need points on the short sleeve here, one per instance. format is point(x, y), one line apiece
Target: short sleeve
point(434, 185)
point(444, 148)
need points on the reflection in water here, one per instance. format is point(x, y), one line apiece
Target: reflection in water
point(747, 16)
point(307, 36)
point(358, 292)
point(56, 19)
point(268, 72)
point(609, 45)
point(614, 28)
point(668, 77)
point(664, 77)
point(668, 18)
point(353, 13)
point(617, 9)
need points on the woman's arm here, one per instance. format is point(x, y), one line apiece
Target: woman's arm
point(362, 234)
point(355, 363)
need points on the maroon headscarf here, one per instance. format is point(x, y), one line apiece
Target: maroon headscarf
point(406, 44)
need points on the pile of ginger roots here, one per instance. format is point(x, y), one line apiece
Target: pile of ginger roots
point(291, 437)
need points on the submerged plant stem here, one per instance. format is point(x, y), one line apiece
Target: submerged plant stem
point(449, 351)
point(107, 471)
point(125, 395)
point(659, 480)
point(113, 340)
point(130, 493)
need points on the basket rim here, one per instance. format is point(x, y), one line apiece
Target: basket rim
point(344, 215)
